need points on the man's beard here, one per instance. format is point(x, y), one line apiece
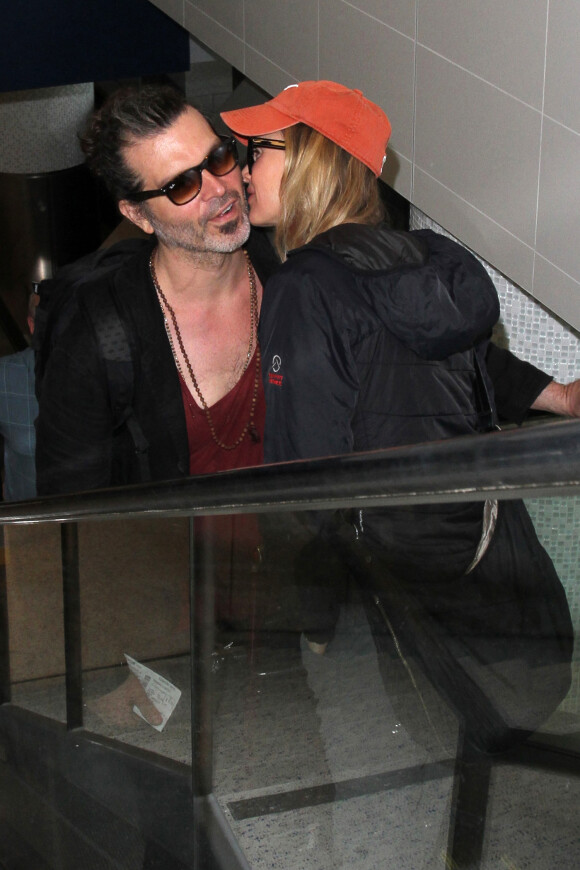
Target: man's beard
point(194, 237)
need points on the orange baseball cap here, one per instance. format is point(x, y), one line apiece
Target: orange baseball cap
point(343, 115)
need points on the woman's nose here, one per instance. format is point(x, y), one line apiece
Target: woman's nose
point(246, 174)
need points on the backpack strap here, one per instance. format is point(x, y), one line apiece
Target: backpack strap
point(115, 351)
point(58, 304)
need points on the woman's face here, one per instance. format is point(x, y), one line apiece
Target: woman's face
point(263, 184)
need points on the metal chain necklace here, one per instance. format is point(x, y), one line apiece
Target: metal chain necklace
point(165, 306)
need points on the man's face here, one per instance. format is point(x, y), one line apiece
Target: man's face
point(216, 221)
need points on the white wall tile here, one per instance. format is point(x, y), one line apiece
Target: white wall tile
point(563, 63)
point(215, 36)
point(265, 73)
point(399, 14)
point(371, 70)
point(285, 33)
point(559, 199)
point(479, 142)
point(228, 13)
point(502, 42)
point(475, 229)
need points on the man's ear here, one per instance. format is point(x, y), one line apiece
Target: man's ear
point(134, 213)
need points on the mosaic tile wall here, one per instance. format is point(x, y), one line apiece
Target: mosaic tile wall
point(527, 328)
point(533, 333)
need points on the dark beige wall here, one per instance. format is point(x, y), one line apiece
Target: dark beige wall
point(482, 95)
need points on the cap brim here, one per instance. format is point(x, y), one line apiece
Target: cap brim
point(256, 121)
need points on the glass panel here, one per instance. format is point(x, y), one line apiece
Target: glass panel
point(376, 707)
point(35, 613)
point(134, 593)
point(360, 700)
point(557, 522)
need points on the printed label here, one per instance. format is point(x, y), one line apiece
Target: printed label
point(163, 695)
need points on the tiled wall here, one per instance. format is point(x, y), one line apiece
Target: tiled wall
point(482, 95)
point(208, 84)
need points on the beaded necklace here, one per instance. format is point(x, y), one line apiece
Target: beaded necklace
point(165, 306)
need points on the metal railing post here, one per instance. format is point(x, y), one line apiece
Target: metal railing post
point(5, 686)
point(72, 624)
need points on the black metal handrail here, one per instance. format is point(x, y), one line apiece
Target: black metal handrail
point(534, 461)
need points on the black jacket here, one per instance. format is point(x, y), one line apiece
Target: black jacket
point(369, 339)
point(77, 446)
point(373, 338)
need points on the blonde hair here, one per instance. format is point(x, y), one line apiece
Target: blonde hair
point(322, 186)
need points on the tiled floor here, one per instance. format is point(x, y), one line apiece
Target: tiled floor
point(316, 766)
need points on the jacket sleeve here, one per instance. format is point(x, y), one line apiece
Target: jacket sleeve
point(308, 371)
point(74, 429)
point(516, 383)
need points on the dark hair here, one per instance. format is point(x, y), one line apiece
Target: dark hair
point(128, 115)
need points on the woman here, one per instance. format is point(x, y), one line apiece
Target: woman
point(347, 276)
point(374, 338)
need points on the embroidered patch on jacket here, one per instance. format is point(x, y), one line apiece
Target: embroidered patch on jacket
point(274, 376)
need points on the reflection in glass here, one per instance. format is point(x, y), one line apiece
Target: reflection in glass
point(363, 706)
point(406, 742)
point(35, 613)
point(134, 593)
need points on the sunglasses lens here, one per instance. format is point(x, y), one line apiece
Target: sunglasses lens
point(185, 187)
point(223, 158)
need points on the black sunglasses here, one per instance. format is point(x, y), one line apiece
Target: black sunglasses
point(186, 186)
point(259, 142)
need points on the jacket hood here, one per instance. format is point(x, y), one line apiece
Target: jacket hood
point(428, 290)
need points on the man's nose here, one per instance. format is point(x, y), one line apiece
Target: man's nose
point(212, 185)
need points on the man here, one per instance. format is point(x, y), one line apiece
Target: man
point(190, 307)
point(190, 302)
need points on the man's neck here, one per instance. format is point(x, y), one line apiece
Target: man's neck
point(198, 275)
point(211, 311)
